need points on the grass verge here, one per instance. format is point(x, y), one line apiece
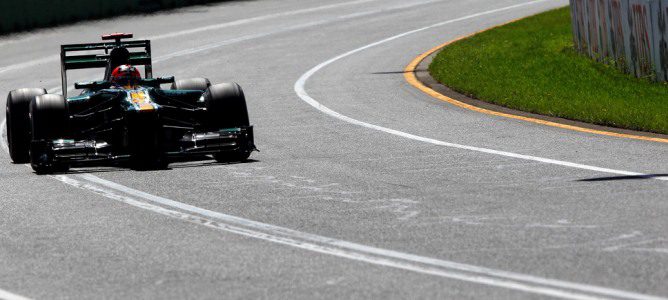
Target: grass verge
point(531, 65)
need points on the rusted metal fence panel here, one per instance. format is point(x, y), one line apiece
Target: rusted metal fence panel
point(633, 34)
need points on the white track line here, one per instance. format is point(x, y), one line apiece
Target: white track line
point(53, 58)
point(5, 295)
point(346, 249)
point(255, 19)
point(299, 88)
point(244, 38)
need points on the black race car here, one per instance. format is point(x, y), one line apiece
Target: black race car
point(137, 123)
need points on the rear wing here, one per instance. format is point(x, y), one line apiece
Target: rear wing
point(115, 53)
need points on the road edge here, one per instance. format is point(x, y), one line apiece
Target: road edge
point(417, 74)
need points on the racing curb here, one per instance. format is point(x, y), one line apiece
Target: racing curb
point(417, 74)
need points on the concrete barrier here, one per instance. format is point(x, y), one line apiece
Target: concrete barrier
point(17, 15)
point(629, 33)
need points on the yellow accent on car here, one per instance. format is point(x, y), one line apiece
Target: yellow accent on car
point(141, 100)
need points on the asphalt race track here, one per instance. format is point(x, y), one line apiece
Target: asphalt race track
point(365, 187)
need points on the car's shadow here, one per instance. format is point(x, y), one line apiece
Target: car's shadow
point(624, 177)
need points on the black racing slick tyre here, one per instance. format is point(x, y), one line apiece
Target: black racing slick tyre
point(199, 84)
point(18, 123)
point(226, 108)
point(49, 120)
point(226, 157)
point(145, 141)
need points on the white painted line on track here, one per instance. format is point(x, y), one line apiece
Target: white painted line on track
point(53, 58)
point(346, 249)
point(299, 88)
point(5, 295)
point(30, 63)
point(244, 38)
point(256, 19)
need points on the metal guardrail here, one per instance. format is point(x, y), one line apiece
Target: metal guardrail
point(632, 34)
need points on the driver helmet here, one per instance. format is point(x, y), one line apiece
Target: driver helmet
point(125, 75)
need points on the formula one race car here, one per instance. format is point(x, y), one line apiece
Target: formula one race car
point(125, 117)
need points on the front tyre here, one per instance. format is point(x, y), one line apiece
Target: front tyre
point(239, 156)
point(226, 108)
point(18, 123)
point(145, 142)
point(49, 120)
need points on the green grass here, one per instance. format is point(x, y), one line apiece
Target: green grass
point(531, 65)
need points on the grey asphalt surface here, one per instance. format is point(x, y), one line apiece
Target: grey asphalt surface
point(320, 175)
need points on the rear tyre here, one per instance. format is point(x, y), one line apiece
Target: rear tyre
point(199, 84)
point(18, 123)
point(226, 108)
point(49, 120)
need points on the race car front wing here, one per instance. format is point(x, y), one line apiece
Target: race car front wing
point(79, 152)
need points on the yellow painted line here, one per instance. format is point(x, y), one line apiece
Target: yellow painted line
point(409, 75)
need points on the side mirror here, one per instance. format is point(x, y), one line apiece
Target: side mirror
point(92, 85)
point(165, 79)
point(155, 82)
